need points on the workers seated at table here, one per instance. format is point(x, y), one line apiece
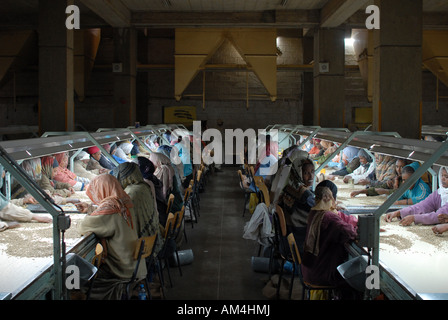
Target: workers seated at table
point(366, 167)
point(110, 218)
point(425, 212)
point(349, 163)
point(98, 161)
point(327, 233)
point(82, 167)
point(416, 193)
point(11, 214)
point(63, 174)
point(384, 171)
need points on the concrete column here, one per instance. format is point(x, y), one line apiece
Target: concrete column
point(329, 87)
point(308, 82)
point(56, 86)
point(398, 68)
point(125, 40)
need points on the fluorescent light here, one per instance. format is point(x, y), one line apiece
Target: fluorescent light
point(349, 41)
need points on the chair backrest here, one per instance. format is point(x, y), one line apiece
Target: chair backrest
point(144, 247)
point(294, 249)
point(259, 182)
point(169, 203)
point(177, 224)
point(281, 219)
point(169, 225)
point(187, 194)
point(98, 258)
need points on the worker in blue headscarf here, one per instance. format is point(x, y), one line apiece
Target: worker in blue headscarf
point(418, 191)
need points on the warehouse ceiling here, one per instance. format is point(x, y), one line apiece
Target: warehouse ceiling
point(22, 14)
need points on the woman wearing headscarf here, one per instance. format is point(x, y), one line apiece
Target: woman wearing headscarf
point(54, 188)
point(163, 171)
point(366, 167)
point(145, 212)
point(327, 233)
point(419, 191)
point(178, 168)
point(80, 166)
point(63, 174)
point(428, 211)
point(147, 169)
point(11, 213)
point(111, 220)
point(296, 198)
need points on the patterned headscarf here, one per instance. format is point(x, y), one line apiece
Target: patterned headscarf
point(107, 193)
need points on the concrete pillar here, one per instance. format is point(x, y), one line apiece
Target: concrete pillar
point(125, 43)
point(398, 68)
point(308, 82)
point(329, 85)
point(142, 81)
point(56, 86)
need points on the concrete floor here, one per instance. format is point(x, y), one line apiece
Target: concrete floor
point(222, 268)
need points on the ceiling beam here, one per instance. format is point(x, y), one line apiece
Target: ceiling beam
point(112, 11)
point(271, 18)
point(336, 12)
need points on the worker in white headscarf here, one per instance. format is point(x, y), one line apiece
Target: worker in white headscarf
point(11, 214)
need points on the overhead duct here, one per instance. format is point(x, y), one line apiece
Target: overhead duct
point(18, 52)
point(434, 52)
point(194, 47)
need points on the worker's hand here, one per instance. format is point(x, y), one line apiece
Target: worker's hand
point(82, 206)
point(440, 228)
point(407, 221)
point(443, 218)
point(346, 179)
point(355, 193)
point(363, 182)
point(391, 215)
point(29, 199)
point(103, 170)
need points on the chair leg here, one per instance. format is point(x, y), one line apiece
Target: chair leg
point(280, 276)
point(167, 266)
point(178, 262)
point(292, 280)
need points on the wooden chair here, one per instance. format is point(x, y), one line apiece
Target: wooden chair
point(176, 231)
point(247, 191)
point(97, 260)
point(280, 248)
point(264, 192)
point(188, 203)
point(306, 286)
point(169, 203)
point(164, 254)
point(144, 248)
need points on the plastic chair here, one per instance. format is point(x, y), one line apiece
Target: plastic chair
point(306, 286)
point(144, 248)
